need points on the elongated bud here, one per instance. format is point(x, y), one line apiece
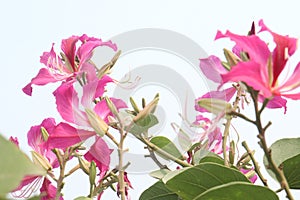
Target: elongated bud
point(147, 110)
point(156, 96)
point(232, 152)
point(93, 173)
point(96, 122)
point(84, 165)
point(214, 106)
point(134, 105)
point(45, 134)
point(143, 102)
point(41, 160)
point(231, 58)
point(106, 69)
point(111, 106)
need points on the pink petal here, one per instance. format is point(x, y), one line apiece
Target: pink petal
point(89, 44)
point(26, 181)
point(212, 68)
point(68, 46)
point(42, 78)
point(103, 111)
point(295, 96)
point(93, 90)
point(226, 95)
point(275, 102)
point(65, 136)
point(34, 135)
point(67, 103)
point(48, 191)
point(256, 48)
point(279, 57)
point(292, 83)
point(100, 154)
point(250, 73)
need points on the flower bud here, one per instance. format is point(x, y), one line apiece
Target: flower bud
point(134, 105)
point(93, 173)
point(232, 152)
point(147, 110)
point(45, 134)
point(41, 160)
point(84, 165)
point(96, 122)
point(231, 58)
point(215, 106)
point(111, 106)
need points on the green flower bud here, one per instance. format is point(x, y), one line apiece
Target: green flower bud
point(45, 134)
point(147, 110)
point(84, 165)
point(41, 160)
point(93, 173)
point(214, 106)
point(96, 122)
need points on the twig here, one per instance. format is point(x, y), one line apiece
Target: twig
point(255, 163)
point(261, 135)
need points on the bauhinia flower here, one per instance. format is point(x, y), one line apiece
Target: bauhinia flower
point(43, 138)
point(73, 62)
point(43, 156)
point(263, 67)
point(92, 106)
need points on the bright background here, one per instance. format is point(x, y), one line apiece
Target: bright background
point(28, 28)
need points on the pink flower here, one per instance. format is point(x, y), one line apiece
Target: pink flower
point(59, 136)
point(38, 143)
point(73, 61)
point(213, 69)
point(100, 154)
point(68, 105)
point(264, 67)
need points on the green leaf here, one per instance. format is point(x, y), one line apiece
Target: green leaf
point(202, 153)
point(158, 191)
point(14, 166)
point(191, 182)
point(159, 174)
point(291, 170)
point(166, 145)
point(83, 198)
point(238, 191)
point(212, 159)
point(283, 150)
point(142, 125)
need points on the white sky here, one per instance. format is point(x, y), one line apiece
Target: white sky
point(28, 28)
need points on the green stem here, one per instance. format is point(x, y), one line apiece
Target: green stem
point(164, 153)
point(255, 163)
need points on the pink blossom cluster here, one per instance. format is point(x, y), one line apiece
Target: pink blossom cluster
point(71, 65)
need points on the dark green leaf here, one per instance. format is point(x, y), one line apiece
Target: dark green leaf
point(291, 169)
point(191, 182)
point(282, 150)
point(166, 145)
point(158, 191)
point(14, 166)
point(238, 191)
